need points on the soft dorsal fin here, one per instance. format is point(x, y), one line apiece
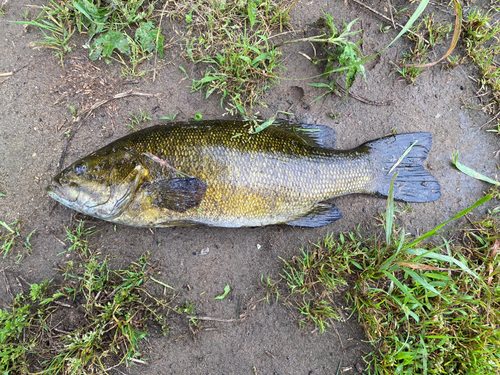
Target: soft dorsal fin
point(314, 135)
point(178, 194)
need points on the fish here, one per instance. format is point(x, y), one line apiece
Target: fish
point(217, 173)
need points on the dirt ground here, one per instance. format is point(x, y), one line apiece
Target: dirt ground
point(34, 117)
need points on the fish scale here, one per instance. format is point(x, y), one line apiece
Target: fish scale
point(275, 187)
point(217, 173)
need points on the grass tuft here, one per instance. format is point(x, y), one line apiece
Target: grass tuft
point(115, 28)
point(426, 309)
point(111, 308)
point(427, 35)
point(8, 235)
point(232, 41)
point(481, 40)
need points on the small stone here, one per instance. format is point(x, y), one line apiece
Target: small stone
point(204, 251)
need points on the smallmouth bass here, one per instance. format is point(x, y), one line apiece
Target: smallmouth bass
point(216, 173)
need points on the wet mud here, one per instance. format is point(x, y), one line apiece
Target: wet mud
point(35, 122)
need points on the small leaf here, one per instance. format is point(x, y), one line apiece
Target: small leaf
point(320, 85)
point(226, 291)
point(107, 43)
point(146, 36)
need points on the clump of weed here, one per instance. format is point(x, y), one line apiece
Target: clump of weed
point(111, 309)
point(187, 307)
point(314, 280)
point(481, 40)
point(109, 28)
point(79, 239)
point(232, 39)
point(8, 238)
point(427, 35)
point(135, 121)
point(344, 58)
point(9, 234)
point(425, 308)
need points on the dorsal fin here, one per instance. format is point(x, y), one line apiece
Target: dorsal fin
point(314, 135)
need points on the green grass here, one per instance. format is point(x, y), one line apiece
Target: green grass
point(427, 307)
point(126, 27)
point(135, 121)
point(232, 39)
point(9, 235)
point(111, 308)
point(427, 34)
point(481, 40)
point(187, 307)
point(79, 238)
point(343, 56)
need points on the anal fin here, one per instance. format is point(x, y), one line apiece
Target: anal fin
point(323, 214)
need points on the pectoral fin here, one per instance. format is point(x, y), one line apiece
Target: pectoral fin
point(323, 214)
point(178, 194)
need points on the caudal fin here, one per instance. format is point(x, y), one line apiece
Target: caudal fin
point(413, 183)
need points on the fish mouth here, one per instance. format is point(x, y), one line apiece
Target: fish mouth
point(60, 193)
point(53, 190)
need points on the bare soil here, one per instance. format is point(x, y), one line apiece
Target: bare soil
point(34, 119)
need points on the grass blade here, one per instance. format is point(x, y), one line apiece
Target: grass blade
point(472, 173)
point(403, 288)
point(419, 279)
point(422, 253)
point(401, 158)
point(389, 214)
point(458, 216)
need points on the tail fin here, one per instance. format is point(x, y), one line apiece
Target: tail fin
point(413, 183)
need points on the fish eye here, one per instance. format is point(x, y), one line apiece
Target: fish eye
point(79, 168)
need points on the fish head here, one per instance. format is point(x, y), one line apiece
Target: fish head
point(101, 185)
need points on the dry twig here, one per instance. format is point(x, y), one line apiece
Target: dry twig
point(215, 319)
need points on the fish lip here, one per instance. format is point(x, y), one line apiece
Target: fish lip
point(54, 189)
point(57, 192)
